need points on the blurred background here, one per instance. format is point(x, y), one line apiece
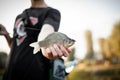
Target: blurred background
point(94, 24)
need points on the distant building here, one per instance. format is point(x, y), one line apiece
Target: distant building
point(101, 43)
point(89, 45)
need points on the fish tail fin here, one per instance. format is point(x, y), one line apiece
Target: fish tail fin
point(36, 47)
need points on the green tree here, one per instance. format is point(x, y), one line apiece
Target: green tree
point(3, 58)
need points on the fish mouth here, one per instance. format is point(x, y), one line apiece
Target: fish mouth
point(73, 40)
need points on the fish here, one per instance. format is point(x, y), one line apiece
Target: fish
point(58, 38)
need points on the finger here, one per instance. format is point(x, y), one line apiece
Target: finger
point(65, 52)
point(46, 53)
point(69, 50)
point(49, 53)
point(54, 53)
point(2, 30)
point(58, 51)
point(2, 27)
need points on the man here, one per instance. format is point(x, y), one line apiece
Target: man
point(23, 64)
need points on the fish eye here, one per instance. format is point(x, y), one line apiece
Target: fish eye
point(69, 42)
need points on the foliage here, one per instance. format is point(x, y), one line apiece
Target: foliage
point(71, 57)
point(3, 58)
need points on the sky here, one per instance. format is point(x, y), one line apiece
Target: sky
point(77, 16)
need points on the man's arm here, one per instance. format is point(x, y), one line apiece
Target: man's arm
point(4, 32)
point(45, 31)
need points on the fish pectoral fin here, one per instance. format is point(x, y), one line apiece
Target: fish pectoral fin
point(36, 47)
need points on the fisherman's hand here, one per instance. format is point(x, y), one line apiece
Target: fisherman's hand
point(56, 51)
point(3, 30)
